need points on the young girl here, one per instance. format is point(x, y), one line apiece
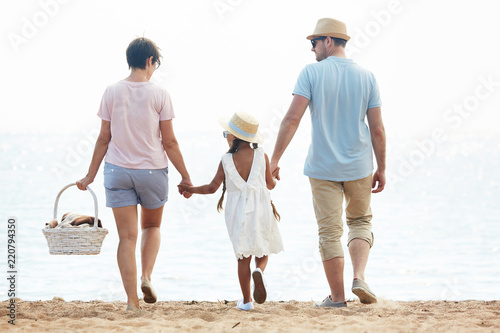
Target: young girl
point(250, 215)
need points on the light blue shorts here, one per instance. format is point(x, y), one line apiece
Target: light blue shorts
point(129, 187)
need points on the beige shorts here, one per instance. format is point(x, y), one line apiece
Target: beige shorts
point(327, 200)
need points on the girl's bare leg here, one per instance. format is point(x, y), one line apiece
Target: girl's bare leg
point(259, 293)
point(261, 262)
point(244, 276)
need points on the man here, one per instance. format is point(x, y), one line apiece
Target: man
point(340, 95)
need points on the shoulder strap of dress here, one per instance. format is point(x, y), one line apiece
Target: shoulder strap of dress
point(231, 172)
point(257, 165)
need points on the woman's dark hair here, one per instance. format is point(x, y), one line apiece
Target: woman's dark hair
point(139, 51)
point(234, 148)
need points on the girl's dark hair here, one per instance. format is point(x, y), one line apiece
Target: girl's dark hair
point(139, 51)
point(234, 148)
point(236, 145)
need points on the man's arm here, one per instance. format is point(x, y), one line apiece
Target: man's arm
point(377, 132)
point(288, 127)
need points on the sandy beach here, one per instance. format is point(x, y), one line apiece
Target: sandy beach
point(192, 316)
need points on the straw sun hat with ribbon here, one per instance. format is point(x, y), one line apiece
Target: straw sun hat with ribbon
point(243, 126)
point(331, 28)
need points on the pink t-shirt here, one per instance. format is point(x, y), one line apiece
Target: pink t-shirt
point(135, 110)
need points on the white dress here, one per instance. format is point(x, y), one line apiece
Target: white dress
point(249, 216)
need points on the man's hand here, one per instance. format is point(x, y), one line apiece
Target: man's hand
point(275, 170)
point(378, 177)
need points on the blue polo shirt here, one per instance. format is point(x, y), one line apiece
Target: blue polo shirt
point(339, 92)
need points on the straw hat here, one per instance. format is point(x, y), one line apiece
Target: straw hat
point(243, 126)
point(331, 28)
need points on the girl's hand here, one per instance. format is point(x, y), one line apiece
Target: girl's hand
point(84, 182)
point(182, 188)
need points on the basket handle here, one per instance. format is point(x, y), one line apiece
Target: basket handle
point(91, 192)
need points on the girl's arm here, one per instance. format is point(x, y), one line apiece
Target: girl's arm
point(101, 146)
point(173, 151)
point(205, 189)
point(270, 181)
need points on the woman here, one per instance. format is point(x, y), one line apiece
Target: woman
point(136, 132)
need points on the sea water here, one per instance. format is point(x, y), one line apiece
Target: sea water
point(436, 226)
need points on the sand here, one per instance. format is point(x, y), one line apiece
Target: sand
point(385, 316)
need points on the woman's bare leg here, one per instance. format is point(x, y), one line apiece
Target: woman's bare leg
point(126, 223)
point(151, 238)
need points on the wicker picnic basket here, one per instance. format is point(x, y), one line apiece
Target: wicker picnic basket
point(75, 240)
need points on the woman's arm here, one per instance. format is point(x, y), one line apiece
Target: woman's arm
point(173, 151)
point(101, 146)
point(205, 189)
point(270, 181)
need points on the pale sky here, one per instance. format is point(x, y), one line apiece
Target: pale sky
point(436, 61)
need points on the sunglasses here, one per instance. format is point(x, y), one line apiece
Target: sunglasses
point(313, 41)
point(225, 134)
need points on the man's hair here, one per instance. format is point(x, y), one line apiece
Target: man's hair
point(339, 41)
point(139, 51)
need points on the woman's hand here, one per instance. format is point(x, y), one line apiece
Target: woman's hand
point(185, 188)
point(84, 182)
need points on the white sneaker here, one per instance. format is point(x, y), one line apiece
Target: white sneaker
point(244, 306)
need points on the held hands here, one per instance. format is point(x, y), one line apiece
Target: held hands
point(378, 176)
point(275, 170)
point(184, 188)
